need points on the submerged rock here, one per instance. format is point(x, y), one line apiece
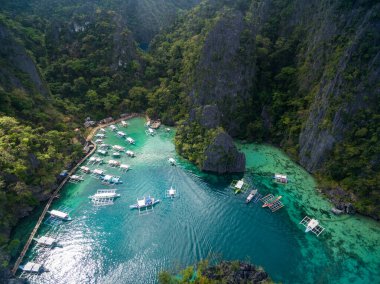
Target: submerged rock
point(222, 156)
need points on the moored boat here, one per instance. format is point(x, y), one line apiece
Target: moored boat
point(251, 195)
point(60, 215)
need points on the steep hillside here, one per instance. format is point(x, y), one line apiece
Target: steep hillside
point(303, 75)
point(145, 18)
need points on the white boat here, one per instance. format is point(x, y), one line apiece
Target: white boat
point(167, 129)
point(113, 163)
point(124, 167)
point(124, 123)
point(99, 141)
point(32, 267)
point(172, 161)
point(144, 202)
point(251, 195)
point(98, 172)
point(130, 153)
point(109, 179)
point(60, 215)
point(104, 146)
point(280, 178)
point(118, 148)
point(46, 241)
point(102, 152)
point(116, 154)
point(130, 140)
point(171, 192)
point(75, 179)
point(95, 160)
point(312, 225)
point(113, 127)
point(150, 132)
point(105, 193)
point(102, 130)
point(85, 169)
point(100, 135)
point(121, 134)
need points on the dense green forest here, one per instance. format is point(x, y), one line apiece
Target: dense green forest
point(286, 72)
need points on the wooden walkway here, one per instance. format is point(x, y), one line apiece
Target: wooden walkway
point(55, 193)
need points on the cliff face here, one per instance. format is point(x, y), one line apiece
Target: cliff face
point(340, 90)
point(302, 75)
point(221, 156)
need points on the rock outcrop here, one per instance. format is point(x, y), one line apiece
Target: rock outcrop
point(221, 156)
point(235, 272)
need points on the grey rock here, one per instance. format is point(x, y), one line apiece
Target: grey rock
point(223, 157)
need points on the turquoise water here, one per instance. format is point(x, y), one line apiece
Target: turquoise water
point(114, 244)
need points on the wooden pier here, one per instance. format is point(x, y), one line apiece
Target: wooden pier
point(55, 193)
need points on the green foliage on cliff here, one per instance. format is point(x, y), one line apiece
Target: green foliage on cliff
point(192, 140)
point(29, 159)
point(297, 70)
point(224, 272)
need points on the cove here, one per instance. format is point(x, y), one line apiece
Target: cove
point(114, 244)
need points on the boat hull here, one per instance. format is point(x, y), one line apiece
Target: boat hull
point(136, 206)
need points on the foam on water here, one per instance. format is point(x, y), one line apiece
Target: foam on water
point(114, 244)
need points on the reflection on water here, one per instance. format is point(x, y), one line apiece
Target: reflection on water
point(114, 244)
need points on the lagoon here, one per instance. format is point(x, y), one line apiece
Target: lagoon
point(114, 244)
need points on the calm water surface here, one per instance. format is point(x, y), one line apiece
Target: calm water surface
point(114, 244)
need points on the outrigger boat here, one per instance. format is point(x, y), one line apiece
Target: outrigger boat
point(98, 173)
point(46, 241)
point(251, 195)
point(280, 178)
point(76, 179)
point(172, 161)
point(102, 152)
point(99, 141)
point(312, 225)
point(109, 179)
point(32, 267)
point(85, 169)
point(124, 123)
point(145, 203)
point(60, 215)
point(239, 186)
point(105, 193)
point(95, 160)
point(150, 132)
point(116, 154)
point(124, 167)
point(102, 130)
point(113, 163)
point(100, 135)
point(130, 140)
point(121, 134)
point(104, 146)
point(118, 148)
point(130, 153)
point(171, 193)
point(113, 127)
point(272, 202)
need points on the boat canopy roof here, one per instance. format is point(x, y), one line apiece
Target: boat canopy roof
point(124, 166)
point(141, 202)
point(59, 214)
point(280, 176)
point(239, 184)
point(107, 177)
point(32, 267)
point(46, 240)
